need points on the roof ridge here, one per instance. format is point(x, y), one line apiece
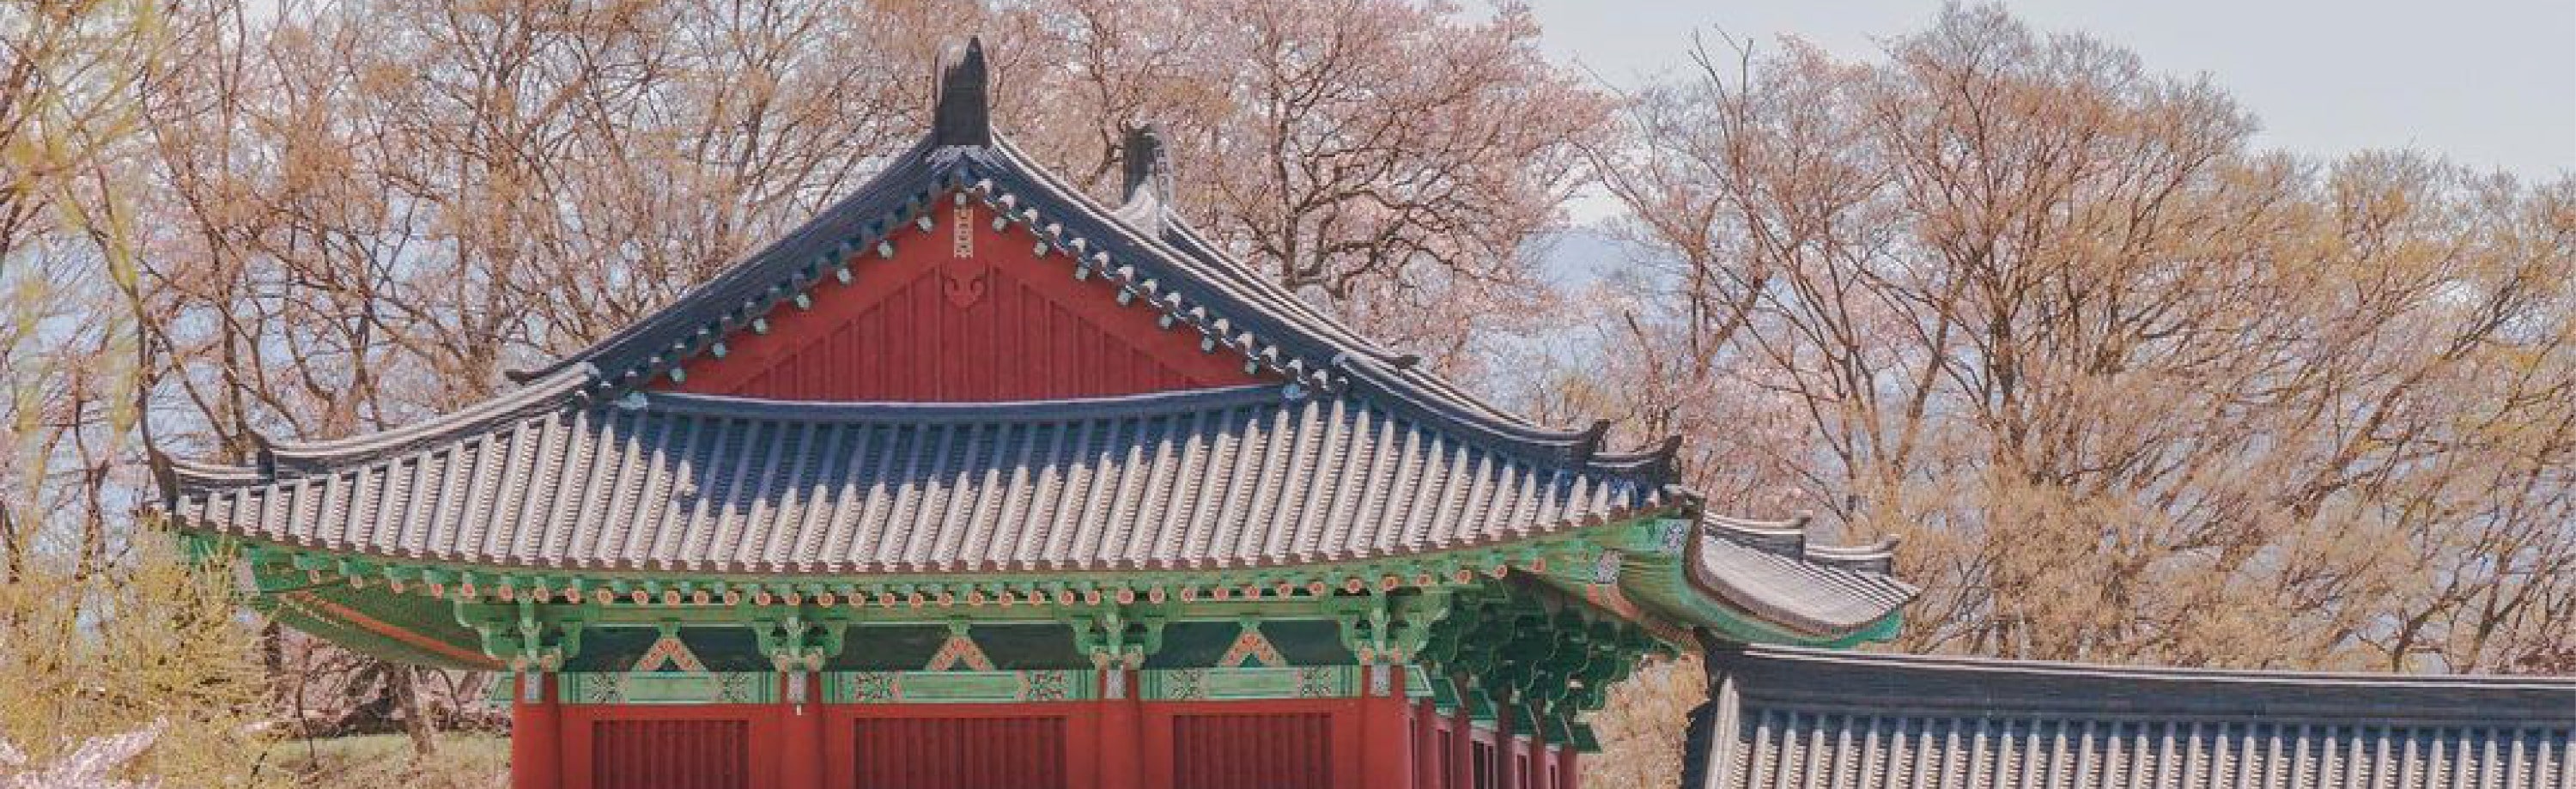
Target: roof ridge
point(736, 281)
point(541, 392)
point(1795, 536)
point(1353, 353)
point(544, 393)
point(1179, 401)
point(1198, 255)
point(1245, 282)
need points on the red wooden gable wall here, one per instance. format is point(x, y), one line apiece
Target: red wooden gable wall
point(961, 313)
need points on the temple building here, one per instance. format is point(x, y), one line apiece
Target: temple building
point(973, 481)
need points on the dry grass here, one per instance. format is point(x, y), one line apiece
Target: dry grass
point(383, 761)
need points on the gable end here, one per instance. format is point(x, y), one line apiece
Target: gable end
point(952, 309)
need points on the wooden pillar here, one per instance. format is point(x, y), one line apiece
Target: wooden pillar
point(1122, 744)
point(1462, 741)
point(1386, 744)
point(1570, 764)
point(1506, 747)
point(800, 738)
point(1540, 757)
point(536, 732)
point(1427, 754)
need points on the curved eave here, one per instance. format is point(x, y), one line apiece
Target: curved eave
point(548, 392)
point(289, 568)
point(1766, 593)
point(1368, 483)
point(1815, 599)
point(390, 627)
point(277, 459)
point(1485, 555)
point(192, 475)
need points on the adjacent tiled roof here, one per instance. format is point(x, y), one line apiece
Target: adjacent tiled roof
point(1214, 478)
point(1785, 717)
point(1770, 569)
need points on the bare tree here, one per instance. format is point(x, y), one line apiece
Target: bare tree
point(104, 630)
point(1392, 160)
point(367, 210)
point(374, 208)
point(2133, 391)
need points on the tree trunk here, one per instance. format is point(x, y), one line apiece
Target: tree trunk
point(404, 683)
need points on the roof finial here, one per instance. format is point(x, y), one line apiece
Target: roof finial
point(962, 116)
point(1142, 153)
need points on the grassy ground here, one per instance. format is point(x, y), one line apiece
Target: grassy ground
point(465, 760)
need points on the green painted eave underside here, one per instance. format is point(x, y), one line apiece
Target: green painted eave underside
point(1649, 573)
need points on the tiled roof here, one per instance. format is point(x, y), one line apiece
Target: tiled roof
point(1147, 252)
point(1785, 717)
point(1214, 478)
point(1363, 454)
point(1771, 570)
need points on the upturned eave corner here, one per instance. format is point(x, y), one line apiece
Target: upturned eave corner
point(1697, 569)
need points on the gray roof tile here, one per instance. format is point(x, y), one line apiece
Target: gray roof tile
point(1772, 571)
point(1227, 478)
point(1785, 717)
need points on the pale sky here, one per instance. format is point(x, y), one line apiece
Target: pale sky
point(2486, 83)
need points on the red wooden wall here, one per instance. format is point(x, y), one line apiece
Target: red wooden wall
point(1283, 744)
point(1252, 751)
point(929, 324)
point(668, 747)
point(672, 754)
point(1054, 745)
point(1026, 751)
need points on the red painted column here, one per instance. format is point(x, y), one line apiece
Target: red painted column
point(1506, 741)
point(1571, 762)
point(1541, 758)
point(536, 723)
point(800, 738)
point(1462, 741)
point(1426, 745)
point(1386, 745)
point(1122, 747)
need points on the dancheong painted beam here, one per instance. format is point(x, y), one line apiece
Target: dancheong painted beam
point(973, 481)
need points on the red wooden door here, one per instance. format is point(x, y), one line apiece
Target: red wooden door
point(1017, 752)
point(671, 754)
point(1253, 751)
